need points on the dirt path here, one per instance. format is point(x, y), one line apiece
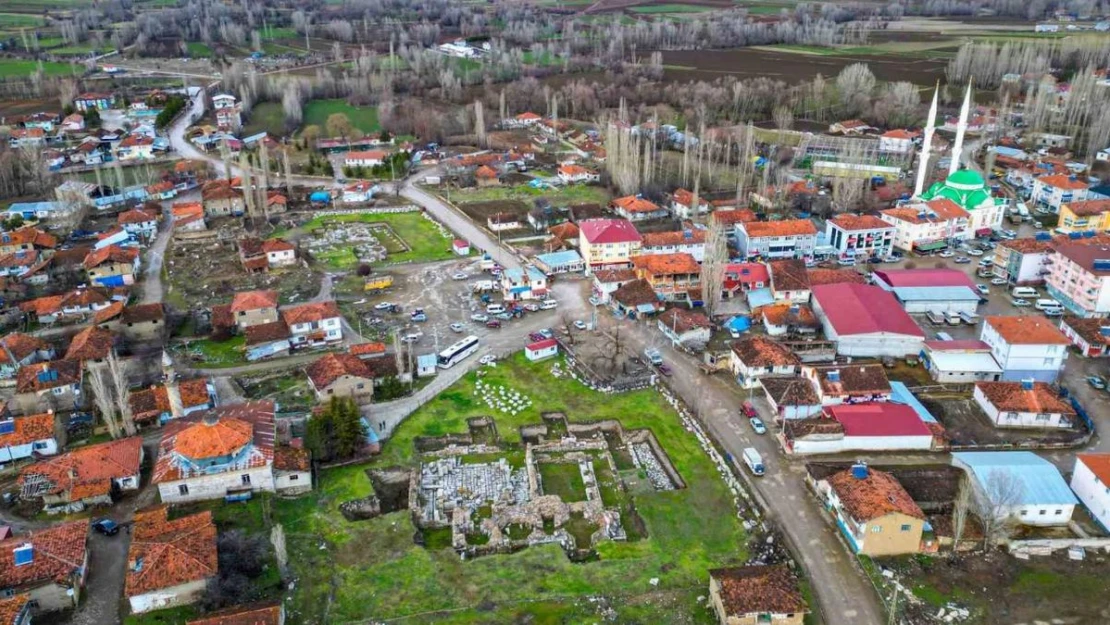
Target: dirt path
point(152, 276)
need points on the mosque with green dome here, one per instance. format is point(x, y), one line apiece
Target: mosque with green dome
point(968, 190)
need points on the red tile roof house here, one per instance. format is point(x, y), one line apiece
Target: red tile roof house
point(169, 563)
point(139, 223)
point(671, 276)
point(245, 615)
point(112, 265)
point(313, 325)
point(223, 453)
point(341, 375)
point(874, 512)
point(608, 243)
point(866, 320)
point(259, 255)
point(16, 610)
point(1091, 336)
point(158, 404)
point(748, 595)
point(740, 278)
point(254, 307)
point(636, 208)
point(881, 426)
point(86, 476)
point(757, 357)
point(54, 385)
point(26, 437)
point(48, 566)
point(1025, 404)
point(91, 345)
point(685, 327)
point(682, 203)
point(18, 350)
point(849, 383)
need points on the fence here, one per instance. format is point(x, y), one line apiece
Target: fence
point(387, 210)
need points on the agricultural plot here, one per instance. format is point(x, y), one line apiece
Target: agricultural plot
point(19, 68)
point(365, 118)
point(792, 66)
point(572, 194)
point(372, 568)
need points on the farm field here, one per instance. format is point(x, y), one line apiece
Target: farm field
point(374, 568)
point(572, 194)
point(265, 117)
point(364, 118)
point(19, 68)
point(670, 8)
point(790, 66)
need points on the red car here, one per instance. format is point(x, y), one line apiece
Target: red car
point(749, 410)
point(493, 323)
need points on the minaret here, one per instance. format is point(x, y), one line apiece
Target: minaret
point(926, 145)
point(961, 128)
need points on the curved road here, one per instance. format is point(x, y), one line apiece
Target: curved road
point(845, 596)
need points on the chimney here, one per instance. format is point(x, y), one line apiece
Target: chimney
point(834, 375)
point(860, 470)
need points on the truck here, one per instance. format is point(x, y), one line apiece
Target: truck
point(378, 283)
point(753, 460)
point(654, 356)
point(481, 286)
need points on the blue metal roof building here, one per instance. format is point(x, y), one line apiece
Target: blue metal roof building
point(561, 262)
point(1041, 483)
point(901, 394)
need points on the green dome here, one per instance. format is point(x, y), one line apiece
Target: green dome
point(964, 187)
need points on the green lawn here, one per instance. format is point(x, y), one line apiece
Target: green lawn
point(172, 616)
point(265, 117)
point(562, 479)
point(426, 241)
point(227, 353)
point(19, 68)
point(571, 194)
point(82, 49)
point(198, 49)
point(19, 20)
point(365, 118)
point(372, 569)
point(670, 8)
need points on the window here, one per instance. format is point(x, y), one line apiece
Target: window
point(246, 478)
point(182, 489)
point(1024, 512)
point(1059, 512)
point(360, 386)
point(294, 477)
point(875, 529)
point(1042, 512)
point(905, 528)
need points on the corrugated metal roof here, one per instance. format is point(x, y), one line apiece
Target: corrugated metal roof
point(1041, 482)
point(935, 293)
point(556, 259)
point(957, 362)
point(901, 394)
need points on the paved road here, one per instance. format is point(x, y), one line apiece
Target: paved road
point(152, 277)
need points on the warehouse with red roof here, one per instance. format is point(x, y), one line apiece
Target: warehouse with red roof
point(866, 320)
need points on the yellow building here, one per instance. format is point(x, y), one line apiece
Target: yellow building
point(608, 243)
point(874, 512)
point(1084, 216)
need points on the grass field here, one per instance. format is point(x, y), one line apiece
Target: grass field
point(227, 353)
point(18, 68)
point(425, 239)
point(372, 569)
point(20, 20)
point(562, 479)
point(571, 194)
point(363, 118)
point(198, 49)
point(265, 117)
point(670, 8)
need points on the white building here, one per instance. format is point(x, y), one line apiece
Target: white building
point(790, 238)
point(928, 226)
point(1026, 347)
point(897, 141)
point(1025, 404)
point(1052, 191)
point(956, 362)
point(1023, 261)
point(1091, 482)
point(314, 324)
point(24, 437)
point(865, 320)
point(689, 241)
point(1019, 486)
point(227, 112)
point(860, 236)
point(365, 158)
point(757, 357)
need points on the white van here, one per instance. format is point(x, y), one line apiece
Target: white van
point(969, 318)
point(495, 309)
point(952, 319)
point(1047, 305)
point(935, 317)
point(1024, 291)
point(548, 304)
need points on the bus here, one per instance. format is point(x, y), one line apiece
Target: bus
point(457, 352)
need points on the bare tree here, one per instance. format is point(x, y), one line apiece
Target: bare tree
point(117, 370)
point(568, 327)
point(480, 123)
point(855, 84)
point(101, 387)
point(959, 513)
point(994, 504)
point(713, 265)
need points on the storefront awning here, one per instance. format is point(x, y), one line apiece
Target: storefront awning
point(930, 246)
point(983, 232)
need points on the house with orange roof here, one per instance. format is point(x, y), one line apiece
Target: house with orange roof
point(91, 345)
point(689, 240)
point(682, 204)
point(789, 238)
point(135, 147)
point(685, 327)
point(1057, 189)
point(1084, 216)
point(221, 199)
point(313, 325)
point(756, 357)
point(850, 127)
point(27, 238)
point(636, 208)
point(523, 120)
point(140, 224)
point(572, 174)
point(873, 511)
point(44, 386)
point(342, 375)
point(85, 476)
point(898, 141)
point(16, 609)
point(1026, 347)
point(251, 308)
point(671, 276)
point(928, 226)
point(27, 437)
point(272, 614)
point(188, 217)
point(859, 236)
point(365, 158)
point(259, 255)
point(223, 453)
point(1025, 404)
point(112, 265)
point(1090, 480)
point(47, 567)
point(486, 176)
point(18, 350)
point(175, 399)
point(169, 562)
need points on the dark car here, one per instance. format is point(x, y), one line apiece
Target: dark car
point(664, 369)
point(536, 336)
point(108, 527)
point(493, 323)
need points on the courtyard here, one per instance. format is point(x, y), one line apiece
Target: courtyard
point(348, 570)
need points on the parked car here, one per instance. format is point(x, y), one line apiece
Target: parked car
point(757, 425)
point(546, 333)
point(532, 307)
point(108, 527)
point(664, 369)
point(986, 262)
point(1097, 382)
point(983, 289)
point(459, 276)
point(963, 260)
point(479, 317)
point(947, 254)
point(536, 336)
point(487, 359)
point(493, 323)
point(998, 281)
point(456, 327)
point(579, 324)
point(383, 306)
point(505, 316)
point(749, 410)
point(1020, 302)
